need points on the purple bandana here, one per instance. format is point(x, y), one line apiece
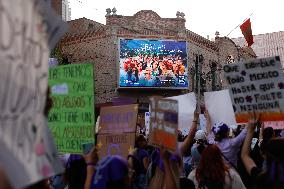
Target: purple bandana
point(220, 127)
point(156, 159)
point(111, 168)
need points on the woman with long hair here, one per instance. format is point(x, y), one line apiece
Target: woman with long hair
point(213, 173)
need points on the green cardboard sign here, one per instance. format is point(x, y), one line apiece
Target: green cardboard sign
point(72, 117)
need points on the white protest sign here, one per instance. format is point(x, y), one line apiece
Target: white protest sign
point(219, 106)
point(147, 122)
point(97, 125)
point(257, 85)
point(186, 105)
point(202, 122)
point(28, 153)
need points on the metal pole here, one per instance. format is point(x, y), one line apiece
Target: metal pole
point(200, 60)
point(196, 73)
point(198, 94)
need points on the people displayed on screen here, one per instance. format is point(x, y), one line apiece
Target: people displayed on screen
point(153, 70)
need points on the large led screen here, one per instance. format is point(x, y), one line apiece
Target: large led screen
point(153, 64)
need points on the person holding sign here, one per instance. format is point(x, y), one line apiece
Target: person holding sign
point(112, 172)
point(219, 135)
point(189, 140)
point(167, 170)
point(272, 176)
point(139, 162)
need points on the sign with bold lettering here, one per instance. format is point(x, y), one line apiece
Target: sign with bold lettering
point(72, 117)
point(115, 144)
point(164, 123)
point(27, 151)
point(118, 119)
point(257, 85)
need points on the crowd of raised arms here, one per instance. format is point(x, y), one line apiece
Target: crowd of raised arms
point(211, 159)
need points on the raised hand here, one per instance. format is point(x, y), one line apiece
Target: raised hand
point(196, 115)
point(92, 157)
point(206, 114)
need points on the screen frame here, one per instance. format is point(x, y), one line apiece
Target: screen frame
point(149, 87)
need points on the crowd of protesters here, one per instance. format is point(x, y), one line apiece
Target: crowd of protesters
point(213, 159)
point(153, 69)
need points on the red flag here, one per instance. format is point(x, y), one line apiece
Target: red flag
point(246, 30)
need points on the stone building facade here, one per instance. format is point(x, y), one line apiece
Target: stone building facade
point(266, 45)
point(88, 40)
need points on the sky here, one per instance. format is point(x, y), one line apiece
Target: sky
point(203, 17)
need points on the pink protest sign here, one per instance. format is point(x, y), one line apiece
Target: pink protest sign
point(274, 124)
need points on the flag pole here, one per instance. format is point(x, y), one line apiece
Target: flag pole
point(239, 24)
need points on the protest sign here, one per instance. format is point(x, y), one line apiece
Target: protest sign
point(147, 122)
point(202, 122)
point(28, 153)
point(219, 106)
point(118, 119)
point(186, 105)
point(164, 123)
point(257, 85)
point(274, 124)
point(115, 144)
point(56, 27)
point(71, 118)
point(117, 130)
point(97, 125)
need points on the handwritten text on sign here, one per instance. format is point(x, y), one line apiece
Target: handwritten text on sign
point(118, 119)
point(164, 123)
point(27, 152)
point(115, 144)
point(72, 116)
point(257, 85)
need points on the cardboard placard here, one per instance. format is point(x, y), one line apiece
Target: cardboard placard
point(257, 85)
point(72, 117)
point(164, 123)
point(27, 151)
point(115, 144)
point(118, 119)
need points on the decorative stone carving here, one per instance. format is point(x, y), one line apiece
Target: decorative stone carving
point(114, 11)
point(108, 11)
point(180, 15)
